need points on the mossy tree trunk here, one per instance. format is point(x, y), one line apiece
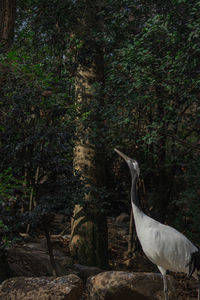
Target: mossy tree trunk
point(89, 227)
point(7, 25)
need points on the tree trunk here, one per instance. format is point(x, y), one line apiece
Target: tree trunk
point(89, 230)
point(7, 20)
point(7, 25)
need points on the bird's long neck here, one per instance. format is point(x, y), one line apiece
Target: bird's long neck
point(137, 212)
point(134, 194)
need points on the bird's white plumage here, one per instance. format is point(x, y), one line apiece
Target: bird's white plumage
point(162, 244)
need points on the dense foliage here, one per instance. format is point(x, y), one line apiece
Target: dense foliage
point(150, 104)
point(37, 114)
point(155, 76)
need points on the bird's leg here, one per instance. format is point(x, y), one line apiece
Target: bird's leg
point(165, 286)
point(163, 272)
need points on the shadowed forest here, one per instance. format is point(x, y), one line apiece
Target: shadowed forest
point(78, 79)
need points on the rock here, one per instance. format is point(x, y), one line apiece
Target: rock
point(68, 287)
point(117, 285)
point(86, 271)
point(123, 217)
point(33, 260)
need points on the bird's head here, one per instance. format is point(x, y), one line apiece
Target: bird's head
point(132, 163)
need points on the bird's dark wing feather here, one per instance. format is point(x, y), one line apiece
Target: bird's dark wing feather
point(194, 264)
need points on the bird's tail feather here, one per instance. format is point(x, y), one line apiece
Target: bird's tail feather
point(194, 264)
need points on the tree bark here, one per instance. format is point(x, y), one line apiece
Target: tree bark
point(7, 25)
point(89, 230)
point(7, 21)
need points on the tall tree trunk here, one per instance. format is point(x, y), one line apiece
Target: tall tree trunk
point(89, 226)
point(7, 25)
point(89, 231)
point(7, 21)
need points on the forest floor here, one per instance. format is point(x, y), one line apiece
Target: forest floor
point(118, 245)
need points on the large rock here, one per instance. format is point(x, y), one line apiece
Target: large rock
point(118, 285)
point(33, 260)
point(67, 287)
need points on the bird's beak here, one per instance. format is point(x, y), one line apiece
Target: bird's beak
point(127, 159)
point(122, 155)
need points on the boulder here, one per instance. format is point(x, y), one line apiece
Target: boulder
point(33, 259)
point(67, 287)
point(117, 285)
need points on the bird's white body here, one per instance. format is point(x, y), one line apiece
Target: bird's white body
point(163, 245)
